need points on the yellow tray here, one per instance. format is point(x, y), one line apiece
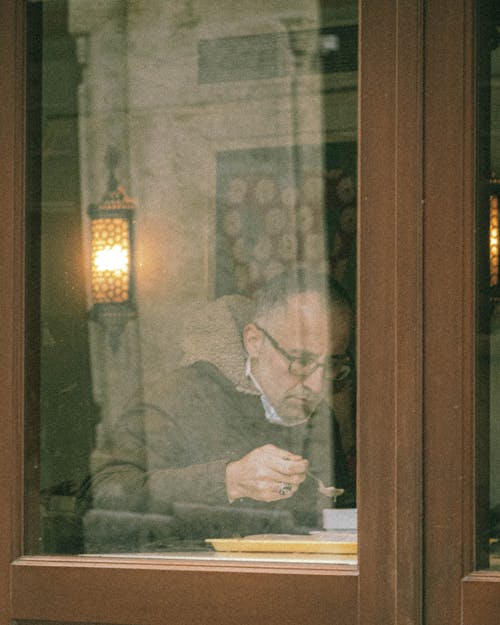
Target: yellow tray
point(286, 543)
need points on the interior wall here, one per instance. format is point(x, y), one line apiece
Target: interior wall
point(67, 413)
point(144, 92)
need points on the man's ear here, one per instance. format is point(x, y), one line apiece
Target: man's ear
point(252, 339)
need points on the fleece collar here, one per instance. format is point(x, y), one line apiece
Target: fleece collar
point(213, 331)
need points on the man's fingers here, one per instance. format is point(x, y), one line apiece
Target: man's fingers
point(295, 479)
point(285, 461)
point(267, 473)
point(291, 467)
point(282, 453)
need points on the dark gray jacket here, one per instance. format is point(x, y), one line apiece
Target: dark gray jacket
point(177, 452)
point(171, 457)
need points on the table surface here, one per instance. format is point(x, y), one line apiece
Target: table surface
point(219, 556)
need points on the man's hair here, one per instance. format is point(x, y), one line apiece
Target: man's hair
point(277, 292)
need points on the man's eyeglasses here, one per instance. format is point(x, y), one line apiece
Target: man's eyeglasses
point(336, 366)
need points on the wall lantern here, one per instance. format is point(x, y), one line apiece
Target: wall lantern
point(112, 257)
point(493, 236)
point(493, 239)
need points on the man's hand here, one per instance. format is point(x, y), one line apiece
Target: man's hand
point(265, 474)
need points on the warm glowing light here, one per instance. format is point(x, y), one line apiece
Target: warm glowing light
point(494, 235)
point(110, 260)
point(113, 259)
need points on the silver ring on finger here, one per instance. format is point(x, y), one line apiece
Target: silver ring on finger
point(284, 488)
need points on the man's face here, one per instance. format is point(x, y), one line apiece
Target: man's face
point(304, 326)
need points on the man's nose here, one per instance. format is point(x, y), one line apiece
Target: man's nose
point(314, 382)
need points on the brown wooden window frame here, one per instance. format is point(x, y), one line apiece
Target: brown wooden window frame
point(455, 590)
point(415, 434)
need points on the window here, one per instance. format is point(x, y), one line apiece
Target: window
point(209, 395)
point(487, 293)
point(416, 399)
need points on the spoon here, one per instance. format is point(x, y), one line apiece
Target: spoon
point(328, 491)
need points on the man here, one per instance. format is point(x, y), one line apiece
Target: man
point(246, 426)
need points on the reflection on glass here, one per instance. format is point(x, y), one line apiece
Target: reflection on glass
point(209, 396)
point(488, 293)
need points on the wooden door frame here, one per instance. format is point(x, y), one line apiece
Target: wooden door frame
point(454, 591)
point(449, 309)
point(388, 588)
point(11, 301)
point(390, 304)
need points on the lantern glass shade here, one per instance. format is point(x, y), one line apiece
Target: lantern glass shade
point(494, 240)
point(110, 260)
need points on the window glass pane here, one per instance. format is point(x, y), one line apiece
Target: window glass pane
point(191, 203)
point(488, 290)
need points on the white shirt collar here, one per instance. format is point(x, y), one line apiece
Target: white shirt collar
point(271, 414)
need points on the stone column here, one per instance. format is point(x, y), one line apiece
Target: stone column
point(100, 29)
